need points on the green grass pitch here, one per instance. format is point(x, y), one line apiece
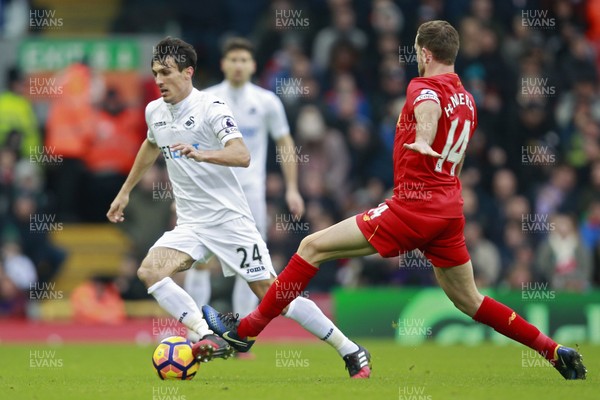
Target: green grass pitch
point(293, 371)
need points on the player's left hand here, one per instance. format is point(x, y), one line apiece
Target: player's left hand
point(187, 150)
point(422, 148)
point(294, 202)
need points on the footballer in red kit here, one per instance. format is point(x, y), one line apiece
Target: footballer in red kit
point(454, 130)
point(427, 201)
point(425, 212)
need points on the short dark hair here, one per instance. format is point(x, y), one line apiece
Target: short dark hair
point(238, 43)
point(182, 53)
point(441, 39)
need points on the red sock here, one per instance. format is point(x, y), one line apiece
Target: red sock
point(510, 324)
point(289, 284)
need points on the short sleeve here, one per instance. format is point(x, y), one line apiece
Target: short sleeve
point(277, 122)
point(150, 136)
point(149, 133)
point(422, 92)
point(220, 118)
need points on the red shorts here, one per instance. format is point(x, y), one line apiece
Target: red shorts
point(392, 230)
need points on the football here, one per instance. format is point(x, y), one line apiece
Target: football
point(173, 359)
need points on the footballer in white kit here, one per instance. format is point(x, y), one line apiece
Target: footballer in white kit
point(213, 217)
point(200, 141)
point(198, 137)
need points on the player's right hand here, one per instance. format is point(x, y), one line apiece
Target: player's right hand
point(422, 148)
point(115, 213)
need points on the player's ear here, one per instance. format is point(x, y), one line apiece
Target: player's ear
point(189, 71)
point(426, 54)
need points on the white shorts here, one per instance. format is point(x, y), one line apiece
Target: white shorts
point(236, 243)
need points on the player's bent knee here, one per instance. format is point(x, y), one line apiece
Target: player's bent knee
point(147, 274)
point(309, 250)
point(144, 276)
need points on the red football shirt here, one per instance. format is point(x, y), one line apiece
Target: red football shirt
point(426, 184)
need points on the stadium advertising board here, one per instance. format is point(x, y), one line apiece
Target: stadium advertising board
point(413, 316)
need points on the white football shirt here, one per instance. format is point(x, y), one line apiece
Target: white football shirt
point(205, 193)
point(258, 112)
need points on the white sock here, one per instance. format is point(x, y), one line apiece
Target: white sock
point(197, 284)
point(244, 301)
point(180, 305)
point(307, 314)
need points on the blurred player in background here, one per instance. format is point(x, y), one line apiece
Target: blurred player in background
point(259, 114)
point(425, 212)
point(199, 139)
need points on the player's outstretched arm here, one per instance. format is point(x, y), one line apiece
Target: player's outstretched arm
point(427, 115)
point(289, 167)
point(146, 156)
point(234, 154)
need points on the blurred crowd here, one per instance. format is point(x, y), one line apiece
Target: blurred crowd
point(531, 180)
